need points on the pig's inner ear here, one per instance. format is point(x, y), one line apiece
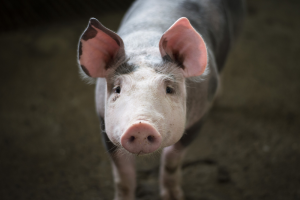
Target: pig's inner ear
point(185, 46)
point(98, 48)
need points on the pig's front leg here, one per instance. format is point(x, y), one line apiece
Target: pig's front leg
point(124, 177)
point(170, 172)
point(123, 169)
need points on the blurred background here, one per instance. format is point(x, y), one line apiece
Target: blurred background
point(249, 147)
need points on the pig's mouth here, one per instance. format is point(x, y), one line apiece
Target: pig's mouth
point(141, 138)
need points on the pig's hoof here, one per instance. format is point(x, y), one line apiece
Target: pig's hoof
point(172, 194)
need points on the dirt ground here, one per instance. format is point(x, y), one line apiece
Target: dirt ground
point(249, 147)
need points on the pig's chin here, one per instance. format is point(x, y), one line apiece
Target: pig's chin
point(123, 151)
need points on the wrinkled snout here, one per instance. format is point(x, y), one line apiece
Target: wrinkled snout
point(141, 138)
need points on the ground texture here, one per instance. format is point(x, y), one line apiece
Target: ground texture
point(249, 147)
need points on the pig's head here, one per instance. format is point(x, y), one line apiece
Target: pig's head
point(145, 100)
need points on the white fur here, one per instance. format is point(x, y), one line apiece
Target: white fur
point(143, 97)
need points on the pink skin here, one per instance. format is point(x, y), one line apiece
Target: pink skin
point(143, 99)
point(183, 38)
point(143, 92)
point(124, 177)
point(99, 49)
point(141, 138)
point(142, 118)
point(170, 172)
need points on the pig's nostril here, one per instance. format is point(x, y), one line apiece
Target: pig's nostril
point(131, 139)
point(141, 138)
point(150, 138)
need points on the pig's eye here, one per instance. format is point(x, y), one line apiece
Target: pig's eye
point(169, 90)
point(118, 89)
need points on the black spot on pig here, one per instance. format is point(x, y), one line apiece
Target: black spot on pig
point(171, 170)
point(109, 146)
point(89, 33)
point(94, 22)
point(223, 46)
point(191, 133)
point(167, 58)
point(125, 68)
point(212, 88)
point(191, 6)
point(85, 70)
point(98, 25)
point(212, 39)
point(80, 49)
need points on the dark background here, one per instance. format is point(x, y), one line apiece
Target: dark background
point(249, 148)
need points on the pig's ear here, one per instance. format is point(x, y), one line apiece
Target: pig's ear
point(98, 48)
point(185, 46)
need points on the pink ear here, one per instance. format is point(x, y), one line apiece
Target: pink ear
point(184, 45)
point(98, 47)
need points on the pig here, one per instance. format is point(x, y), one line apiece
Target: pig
point(156, 79)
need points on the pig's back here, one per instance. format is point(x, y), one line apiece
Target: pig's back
point(218, 21)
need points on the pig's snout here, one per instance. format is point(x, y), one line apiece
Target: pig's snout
point(141, 138)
